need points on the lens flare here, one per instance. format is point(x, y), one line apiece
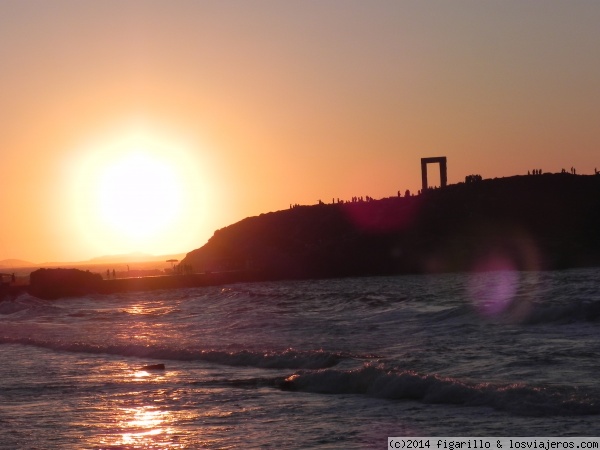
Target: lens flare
point(494, 287)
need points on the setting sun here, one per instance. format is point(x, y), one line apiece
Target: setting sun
point(141, 191)
point(139, 195)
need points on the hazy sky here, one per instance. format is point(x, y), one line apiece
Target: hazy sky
point(146, 125)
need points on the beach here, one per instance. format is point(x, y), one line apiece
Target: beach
point(338, 363)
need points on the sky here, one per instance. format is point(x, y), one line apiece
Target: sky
point(146, 125)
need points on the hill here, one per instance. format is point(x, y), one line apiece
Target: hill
point(9, 263)
point(137, 258)
point(132, 258)
point(547, 221)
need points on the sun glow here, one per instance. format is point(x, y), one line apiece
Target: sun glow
point(140, 192)
point(139, 195)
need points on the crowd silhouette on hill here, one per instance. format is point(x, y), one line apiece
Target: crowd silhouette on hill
point(469, 179)
point(473, 179)
point(573, 171)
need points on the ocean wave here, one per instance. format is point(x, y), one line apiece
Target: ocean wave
point(376, 381)
point(574, 311)
point(286, 359)
point(27, 304)
point(525, 312)
point(11, 307)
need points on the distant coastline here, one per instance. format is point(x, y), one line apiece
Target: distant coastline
point(136, 258)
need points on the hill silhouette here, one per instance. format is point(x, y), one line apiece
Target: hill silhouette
point(533, 222)
point(9, 263)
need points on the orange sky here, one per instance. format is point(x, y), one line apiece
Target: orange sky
point(253, 105)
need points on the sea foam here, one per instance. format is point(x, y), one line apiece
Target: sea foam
point(376, 381)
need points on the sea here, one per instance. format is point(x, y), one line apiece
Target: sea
point(314, 364)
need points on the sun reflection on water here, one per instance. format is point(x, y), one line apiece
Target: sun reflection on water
point(144, 425)
point(140, 427)
point(141, 374)
point(141, 324)
point(135, 310)
point(144, 417)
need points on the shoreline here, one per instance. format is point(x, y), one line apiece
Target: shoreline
point(158, 282)
point(144, 283)
point(168, 282)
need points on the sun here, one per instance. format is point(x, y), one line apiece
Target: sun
point(140, 191)
point(139, 195)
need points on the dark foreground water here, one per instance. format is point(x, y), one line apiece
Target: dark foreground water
point(309, 364)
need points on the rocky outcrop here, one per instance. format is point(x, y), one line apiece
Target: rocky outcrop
point(545, 221)
point(55, 283)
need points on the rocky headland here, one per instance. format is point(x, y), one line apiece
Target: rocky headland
point(533, 222)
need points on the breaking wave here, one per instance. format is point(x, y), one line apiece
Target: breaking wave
point(574, 311)
point(286, 359)
point(375, 381)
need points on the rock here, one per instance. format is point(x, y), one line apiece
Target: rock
point(153, 367)
point(51, 284)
